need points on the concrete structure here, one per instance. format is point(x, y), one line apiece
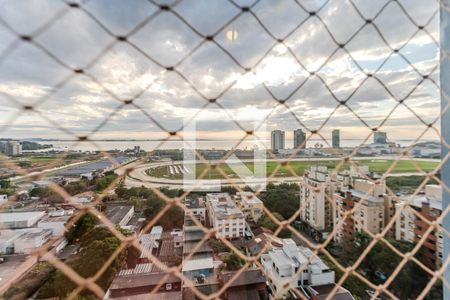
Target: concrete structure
point(294, 266)
point(119, 214)
point(299, 139)
point(277, 140)
point(224, 216)
point(55, 224)
point(374, 209)
point(13, 148)
point(412, 224)
point(23, 240)
point(250, 284)
point(316, 203)
point(197, 207)
point(250, 205)
point(82, 198)
point(380, 137)
point(336, 138)
point(16, 220)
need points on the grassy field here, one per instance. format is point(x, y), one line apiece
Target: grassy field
point(297, 168)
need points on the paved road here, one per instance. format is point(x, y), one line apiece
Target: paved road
point(138, 177)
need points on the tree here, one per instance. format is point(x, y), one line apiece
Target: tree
point(232, 261)
point(267, 222)
point(90, 260)
point(85, 223)
point(283, 199)
point(218, 246)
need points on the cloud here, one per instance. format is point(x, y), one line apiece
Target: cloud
point(208, 70)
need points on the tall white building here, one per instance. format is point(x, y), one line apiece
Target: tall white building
point(224, 216)
point(277, 140)
point(293, 266)
point(318, 194)
point(13, 148)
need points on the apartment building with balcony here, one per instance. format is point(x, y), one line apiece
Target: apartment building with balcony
point(414, 222)
point(292, 266)
point(368, 208)
point(316, 206)
point(250, 205)
point(225, 216)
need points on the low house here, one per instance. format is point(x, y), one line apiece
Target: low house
point(250, 284)
point(294, 266)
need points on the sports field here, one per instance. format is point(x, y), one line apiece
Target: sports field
point(297, 168)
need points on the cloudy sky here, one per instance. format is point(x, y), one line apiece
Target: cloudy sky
point(244, 68)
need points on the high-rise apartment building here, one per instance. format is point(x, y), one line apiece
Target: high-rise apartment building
point(371, 209)
point(336, 138)
point(13, 148)
point(380, 137)
point(299, 139)
point(414, 222)
point(277, 140)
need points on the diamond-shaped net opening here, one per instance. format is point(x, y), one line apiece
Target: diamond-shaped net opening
point(182, 219)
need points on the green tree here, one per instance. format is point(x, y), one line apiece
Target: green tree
point(267, 222)
point(218, 246)
point(84, 224)
point(232, 261)
point(283, 199)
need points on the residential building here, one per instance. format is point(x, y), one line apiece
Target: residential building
point(250, 284)
point(336, 138)
point(16, 220)
point(13, 148)
point(380, 137)
point(250, 205)
point(196, 206)
point(262, 243)
point(293, 266)
point(299, 139)
point(137, 280)
point(277, 140)
point(224, 216)
point(373, 209)
point(316, 201)
point(413, 224)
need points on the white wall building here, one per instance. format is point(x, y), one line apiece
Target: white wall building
point(251, 206)
point(55, 224)
point(224, 216)
point(197, 207)
point(23, 240)
point(20, 219)
point(13, 148)
point(294, 266)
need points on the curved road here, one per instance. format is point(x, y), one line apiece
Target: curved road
point(138, 177)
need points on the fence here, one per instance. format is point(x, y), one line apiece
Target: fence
point(234, 29)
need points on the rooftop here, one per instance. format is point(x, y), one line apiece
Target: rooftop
point(249, 198)
point(20, 216)
point(247, 277)
point(198, 264)
point(115, 213)
point(223, 206)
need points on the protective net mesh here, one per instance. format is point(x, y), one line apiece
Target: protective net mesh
point(343, 32)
